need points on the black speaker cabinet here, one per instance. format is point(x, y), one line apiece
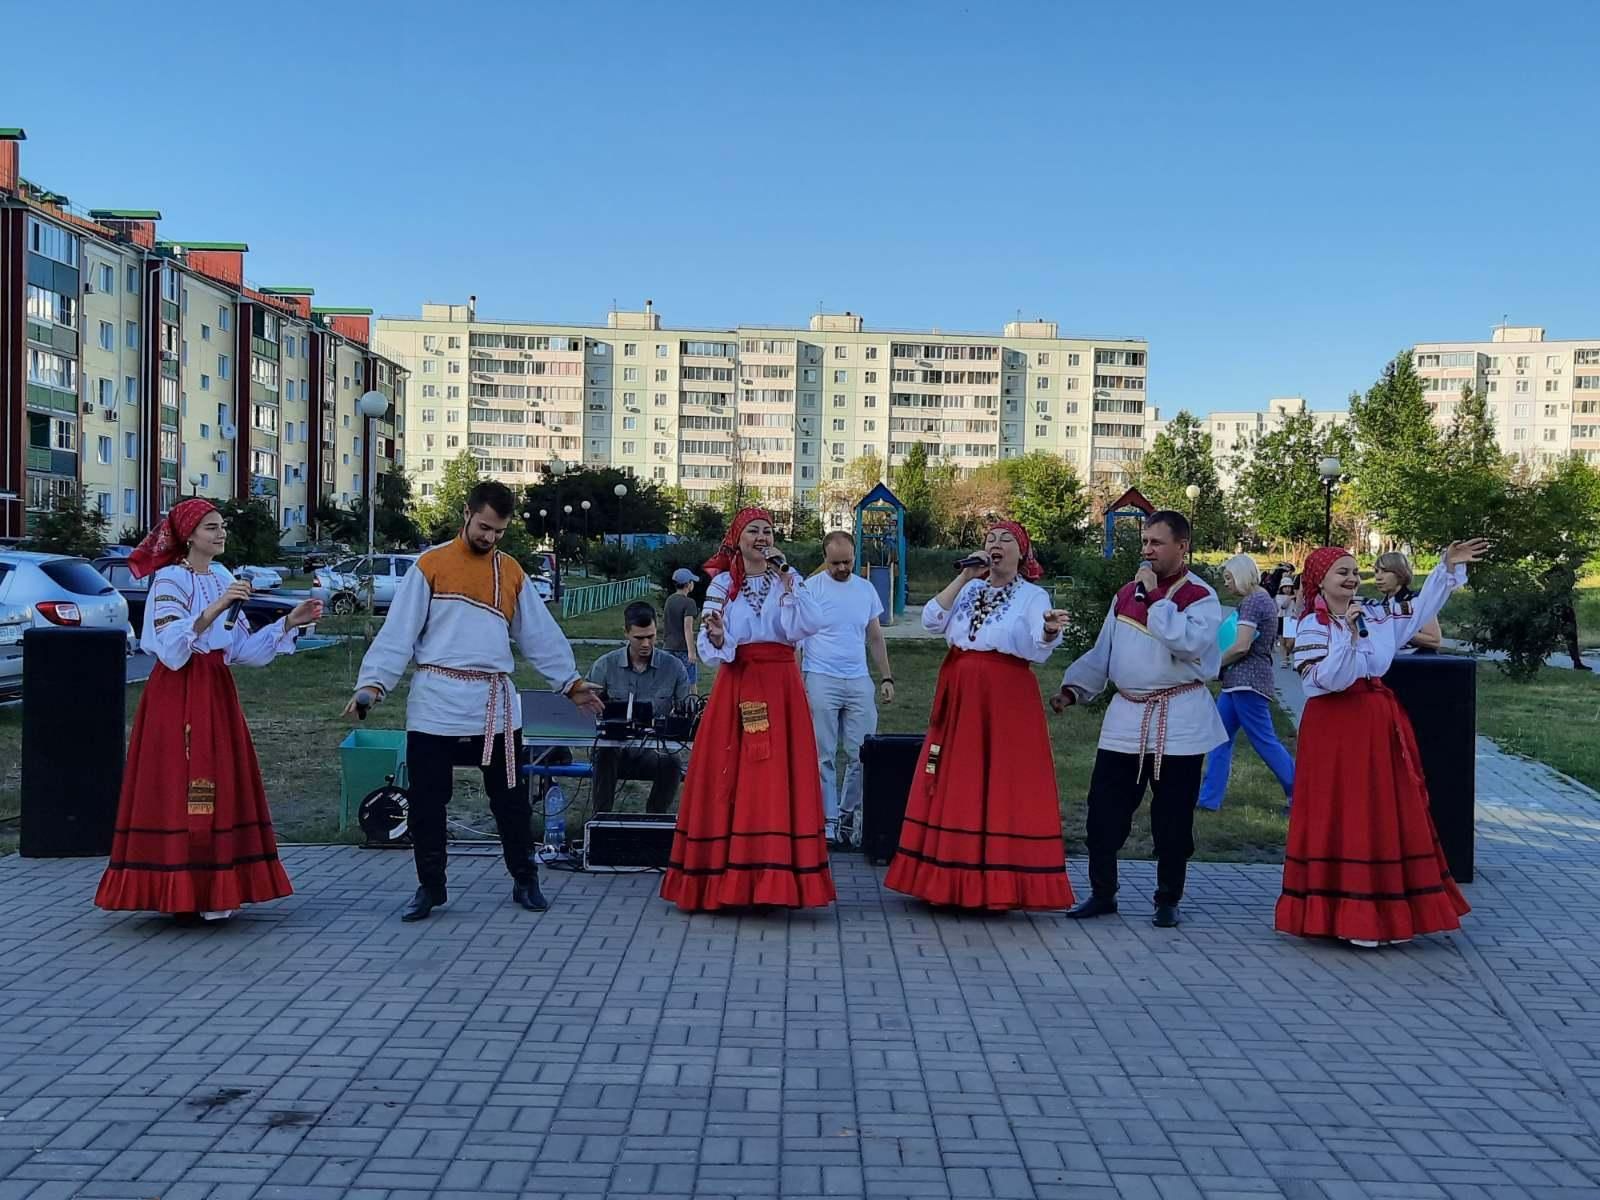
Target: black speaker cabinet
point(888, 768)
point(628, 841)
point(1440, 694)
point(74, 705)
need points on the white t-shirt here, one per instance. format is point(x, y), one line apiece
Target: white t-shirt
point(840, 650)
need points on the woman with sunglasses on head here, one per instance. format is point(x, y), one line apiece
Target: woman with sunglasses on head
point(193, 835)
point(750, 824)
point(982, 827)
point(1363, 861)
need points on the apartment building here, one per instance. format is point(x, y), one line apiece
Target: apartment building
point(1232, 431)
point(783, 408)
point(145, 369)
point(1544, 394)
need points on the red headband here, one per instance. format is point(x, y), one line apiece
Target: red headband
point(168, 541)
point(1029, 567)
point(1316, 569)
point(728, 558)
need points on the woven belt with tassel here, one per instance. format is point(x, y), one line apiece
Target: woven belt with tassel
point(499, 693)
point(1156, 705)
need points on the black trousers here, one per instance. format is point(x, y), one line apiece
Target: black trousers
point(1116, 790)
point(636, 762)
point(431, 760)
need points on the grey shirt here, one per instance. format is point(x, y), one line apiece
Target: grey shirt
point(662, 683)
point(679, 606)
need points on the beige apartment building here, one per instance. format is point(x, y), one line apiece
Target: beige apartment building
point(1233, 431)
point(783, 408)
point(1544, 394)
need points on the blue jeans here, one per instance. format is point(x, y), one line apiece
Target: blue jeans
point(1253, 712)
point(692, 668)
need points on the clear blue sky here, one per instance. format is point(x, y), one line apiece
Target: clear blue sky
point(1278, 196)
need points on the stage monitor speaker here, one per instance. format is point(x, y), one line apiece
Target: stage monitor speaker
point(74, 707)
point(628, 841)
point(888, 769)
point(1440, 694)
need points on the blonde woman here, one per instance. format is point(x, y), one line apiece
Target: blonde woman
point(1392, 575)
point(1246, 698)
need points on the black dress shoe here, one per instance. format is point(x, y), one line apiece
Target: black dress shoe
point(1094, 906)
point(1166, 916)
point(527, 894)
point(423, 904)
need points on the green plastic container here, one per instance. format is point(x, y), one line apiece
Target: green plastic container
point(367, 758)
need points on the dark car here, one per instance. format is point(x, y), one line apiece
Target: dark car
point(260, 610)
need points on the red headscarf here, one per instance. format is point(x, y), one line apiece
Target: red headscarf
point(168, 542)
point(1029, 567)
point(1316, 569)
point(727, 558)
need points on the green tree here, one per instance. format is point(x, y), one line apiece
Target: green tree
point(1181, 457)
point(439, 518)
point(395, 525)
point(72, 527)
point(647, 507)
point(1396, 447)
point(704, 523)
point(915, 491)
point(1046, 496)
point(861, 475)
point(1279, 489)
point(252, 534)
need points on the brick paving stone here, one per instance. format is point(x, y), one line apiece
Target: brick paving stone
point(316, 1047)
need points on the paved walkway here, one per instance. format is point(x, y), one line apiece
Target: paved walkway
point(317, 1049)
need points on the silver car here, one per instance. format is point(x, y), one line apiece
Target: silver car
point(14, 619)
point(343, 587)
point(61, 590)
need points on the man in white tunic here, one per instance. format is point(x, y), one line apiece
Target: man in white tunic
point(838, 684)
point(1158, 649)
point(456, 613)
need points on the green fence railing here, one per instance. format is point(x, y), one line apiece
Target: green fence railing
point(577, 601)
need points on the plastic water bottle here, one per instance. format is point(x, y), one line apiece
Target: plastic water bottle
point(555, 816)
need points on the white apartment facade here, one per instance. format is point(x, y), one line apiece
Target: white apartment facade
point(1544, 394)
point(1233, 431)
point(783, 408)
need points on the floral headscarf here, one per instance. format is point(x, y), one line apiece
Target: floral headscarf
point(1029, 567)
point(1316, 569)
point(728, 558)
point(168, 542)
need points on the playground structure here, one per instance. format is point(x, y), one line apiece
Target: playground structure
point(1131, 504)
point(880, 531)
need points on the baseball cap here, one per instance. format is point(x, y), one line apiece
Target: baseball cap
point(684, 575)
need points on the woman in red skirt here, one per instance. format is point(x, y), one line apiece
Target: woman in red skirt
point(1363, 861)
point(983, 821)
point(193, 835)
point(750, 829)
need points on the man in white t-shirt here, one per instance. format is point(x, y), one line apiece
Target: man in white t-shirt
point(835, 665)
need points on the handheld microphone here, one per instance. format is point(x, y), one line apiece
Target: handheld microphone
point(1139, 594)
point(971, 560)
point(1361, 624)
point(365, 699)
point(234, 610)
point(775, 559)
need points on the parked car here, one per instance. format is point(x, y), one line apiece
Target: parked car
point(117, 551)
point(14, 621)
point(62, 590)
point(343, 587)
point(263, 579)
point(259, 610)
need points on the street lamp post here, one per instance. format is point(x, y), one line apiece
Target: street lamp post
point(621, 491)
point(1329, 469)
point(194, 483)
point(585, 506)
point(557, 469)
point(372, 405)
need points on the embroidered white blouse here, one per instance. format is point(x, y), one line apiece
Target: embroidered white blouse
point(178, 597)
point(1016, 627)
point(1330, 658)
point(787, 618)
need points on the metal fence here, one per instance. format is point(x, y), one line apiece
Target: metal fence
point(577, 601)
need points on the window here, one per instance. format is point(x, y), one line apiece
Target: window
point(185, 304)
point(872, 353)
point(1522, 386)
point(429, 367)
point(429, 415)
point(452, 392)
point(1044, 383)
point(52, 242)
point(47, 304)
point(869, 377)
point(129, 501)
point(869, 402)
point(1552, 385)
point(1042, 407)
point(1519, 435)
point(288, 390)
point(661, 375)
point(222, 366)
point(132, 286)
point(630, 349)
point(108, 279)
point(841, 376)
point(629, 447)
point(130, 445)
point(130, 390)
point(454, 343)
point(131, 332)
point(841, 352)
point(1041, 431)
point(108, 393)
point(838, 425)
point(809, 375)
point(185, 355)
point(104, 451)
point(1042, 359)
point(108, 336)
point(661, 399)
point(205, 333)
point(205, 383)
point(453, 368)
point(1552, 360)
point(661, 350)
point(451, 441)
point(205, 431)
point(452, 416)
point(1549, 410)
point(1522, 362)
point(224, 319)
point(630, 374)
point(1549, 435)
point(838, 400)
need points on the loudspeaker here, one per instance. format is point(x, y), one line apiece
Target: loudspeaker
point(1440, 694)
point(628, 842)
point(888, 769)
point(74, 708)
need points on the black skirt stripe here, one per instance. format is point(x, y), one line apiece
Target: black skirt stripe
point(745, 866)
point(1337, 894)
point(986, 866)
point(185, 831)
point(128, 865)
point(722, 837)
point(987, 833)
point(1375, 862)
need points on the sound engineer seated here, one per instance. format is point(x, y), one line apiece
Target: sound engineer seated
point(638, 670)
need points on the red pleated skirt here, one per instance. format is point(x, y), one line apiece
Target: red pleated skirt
point(983, 821)
point(1363, 859)
point(749, 829)
point(193, 832)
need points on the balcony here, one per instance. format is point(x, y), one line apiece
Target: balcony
point(262, 348)
point(169, 472)
point(263, 485)
point(169, 312)
point(51, 398)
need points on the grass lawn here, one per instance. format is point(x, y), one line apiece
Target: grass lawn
point(1539, 719)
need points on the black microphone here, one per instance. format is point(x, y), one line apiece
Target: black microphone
point(1139, 593)
point(234, 610)
point(971, 560)
point(775, 559)
point(1361, 624)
